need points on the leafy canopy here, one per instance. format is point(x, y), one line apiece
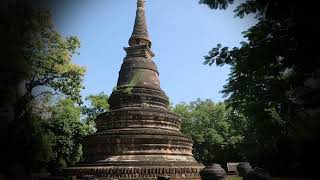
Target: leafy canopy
point(49, 56)
point(273, 81)
point(57, 134)
point(97, 104)
point(217, 132)
point(46, 134)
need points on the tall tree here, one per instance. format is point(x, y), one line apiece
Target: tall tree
point(274, 81)
point(39, 63)
point(217, 132)
point(49, 56)
point(57, 134)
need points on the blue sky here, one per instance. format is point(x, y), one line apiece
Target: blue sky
point(182, 32)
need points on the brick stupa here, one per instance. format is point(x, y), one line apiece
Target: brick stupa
point(138, 138)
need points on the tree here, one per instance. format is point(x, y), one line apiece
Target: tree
point(57, 134)
point(39, 64)
point(217, 132)
point(217, 4)
point(44, 60)
point(97, 104)
point(49, 57)
point(273, 79)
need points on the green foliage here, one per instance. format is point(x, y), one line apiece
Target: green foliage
point(273, 82)
point(57, 135)
point(135, 79)
point(217, 132)
point(127, 88)
point(97, 104)
point(48, 56)
point(217, 4)
point(44, 135)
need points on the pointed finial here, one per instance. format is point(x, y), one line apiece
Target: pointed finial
point(140, 35)
point(140, 3)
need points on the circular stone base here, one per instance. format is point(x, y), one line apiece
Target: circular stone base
point(136, 170)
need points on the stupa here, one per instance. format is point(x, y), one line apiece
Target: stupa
point(138, 138)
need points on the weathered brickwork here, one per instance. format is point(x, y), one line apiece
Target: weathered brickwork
point(138, 138)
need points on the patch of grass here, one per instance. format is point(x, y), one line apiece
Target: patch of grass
point(234, 178)
point(284, 178)
point(274, 178)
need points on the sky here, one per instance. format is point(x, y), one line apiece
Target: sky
point(182, 33)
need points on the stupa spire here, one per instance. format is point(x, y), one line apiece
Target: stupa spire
point(138, 138)
point(140, 35)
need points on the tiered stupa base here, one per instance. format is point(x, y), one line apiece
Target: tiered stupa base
point(136, 170)
point(137, 143)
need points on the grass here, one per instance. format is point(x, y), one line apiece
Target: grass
point(290, 178)
point(234, 178)
point(240, 178)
